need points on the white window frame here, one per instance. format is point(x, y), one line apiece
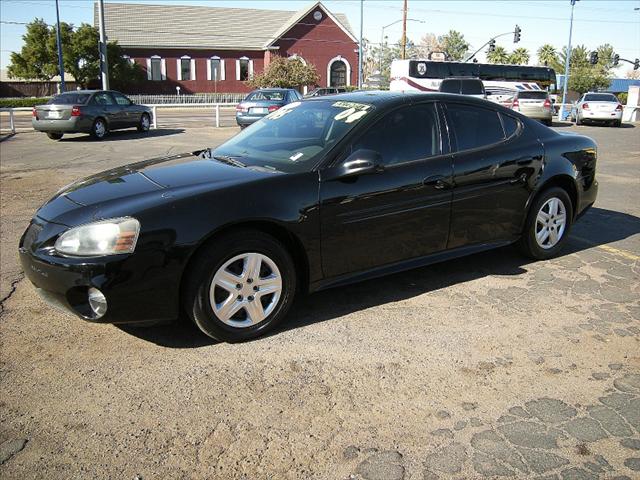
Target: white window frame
point(238, 67)
point(163, 68)
point(295, 56)
point(192, 67)
point(221, 73)
point(338, 58)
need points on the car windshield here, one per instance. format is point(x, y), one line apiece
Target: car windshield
point(472, 87)
point(69, 99)
point(293, 138)
point(266, 95)
point(533, 95)
point(600, 97)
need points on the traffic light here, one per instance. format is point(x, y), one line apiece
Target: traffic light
point(636, 64)
point(516, 34)
point(492, 46)
point(593, 58)
point(616, 60)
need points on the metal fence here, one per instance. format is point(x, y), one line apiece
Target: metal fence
point(207, 98)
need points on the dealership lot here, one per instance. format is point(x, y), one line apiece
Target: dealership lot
point(481, 367)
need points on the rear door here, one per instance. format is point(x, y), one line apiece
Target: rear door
point(494, 158)
point(106, 107)
point(399, 213)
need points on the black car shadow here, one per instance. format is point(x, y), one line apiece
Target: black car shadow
point(117, 135)
point(337, 302)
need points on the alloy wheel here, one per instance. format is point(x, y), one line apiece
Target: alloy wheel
point(245, 290)
point(551, 223)
point(100, 129)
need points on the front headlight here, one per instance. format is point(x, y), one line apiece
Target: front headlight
point(106, 237)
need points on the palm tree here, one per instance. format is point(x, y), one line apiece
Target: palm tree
point(548, 55)
point(520, 56)
point(498, 55)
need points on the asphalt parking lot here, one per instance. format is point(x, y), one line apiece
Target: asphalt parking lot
point(484, 367)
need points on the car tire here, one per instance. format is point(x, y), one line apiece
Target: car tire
point(578, 121)
point(225, 311)
point(617, 123)
point(145, 123)
point(548, 123)
point(533, 242)
point(54, 136)
point(99, 129)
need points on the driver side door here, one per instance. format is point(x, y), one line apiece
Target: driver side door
point(399, 212)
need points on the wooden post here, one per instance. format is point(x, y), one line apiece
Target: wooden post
point(404, 30)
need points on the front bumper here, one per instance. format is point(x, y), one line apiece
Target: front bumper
point(135, 291)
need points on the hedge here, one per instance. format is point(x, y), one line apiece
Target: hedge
point(22, 102)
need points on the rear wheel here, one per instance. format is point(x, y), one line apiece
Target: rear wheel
point(145, 123)
point(578, 121)
point(548, 224)
point(548, 123)
point(54, 136)
point(241, 286)
point(617, 123)
point(99, 129)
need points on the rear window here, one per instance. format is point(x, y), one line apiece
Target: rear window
point(533, 95)
point(474, 127)
point(69, 99)
point(600, 97)
point(472, 87)
point(266, 95)
point(450, 86)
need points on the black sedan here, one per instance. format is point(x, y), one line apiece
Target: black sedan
point(89, 111)
point(318, 194)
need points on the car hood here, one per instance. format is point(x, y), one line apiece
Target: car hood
point(158, 178)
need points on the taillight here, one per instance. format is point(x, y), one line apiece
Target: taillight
point(585, 106)
point(547, 103)
point(273, 108)
point(34, 112)
point(515, 104)
point(241, 108)
point(75, 111)
point(619, 107)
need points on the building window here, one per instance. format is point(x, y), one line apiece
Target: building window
point(216, 65)
point(244, 69)
point(156, 69)
point(338, 72)
point(185, 68)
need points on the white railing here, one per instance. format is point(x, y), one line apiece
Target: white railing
point(199, 99)
point(12, 122)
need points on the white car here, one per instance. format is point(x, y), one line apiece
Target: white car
point(597, 107)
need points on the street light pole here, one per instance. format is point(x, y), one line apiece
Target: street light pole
point(382, 36)
point(59, 42)
point(360, 45)
point(104, 65)
point(566, 65)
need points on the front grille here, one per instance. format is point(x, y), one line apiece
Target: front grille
point(31, 235)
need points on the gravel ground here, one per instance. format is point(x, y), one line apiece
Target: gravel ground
point(484, 367)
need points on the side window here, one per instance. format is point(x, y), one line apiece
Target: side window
point(472, 87)
point(102, 98)
point(473, 126)
point(510, 125)
point(121, 99)
point(450, 86)
point(407, 134)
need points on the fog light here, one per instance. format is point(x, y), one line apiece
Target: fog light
point(97, 302)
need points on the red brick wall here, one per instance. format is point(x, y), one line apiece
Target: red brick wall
point(316, 42)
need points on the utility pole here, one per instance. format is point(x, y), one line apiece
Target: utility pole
point(104, 65)
point(59, 42)
point(566, 66)
point(404, 30)
point(360, 51)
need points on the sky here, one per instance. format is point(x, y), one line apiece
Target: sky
point(542, 21)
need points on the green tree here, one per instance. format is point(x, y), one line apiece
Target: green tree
point(520, 56)
point(605, 55)
point(84, 60)
point(285, 73)
point(384, 54)
point(36, 60)
point(498, 55)
point(548, 55)
point(123, 73)
point(587, 79)
point(454, 45)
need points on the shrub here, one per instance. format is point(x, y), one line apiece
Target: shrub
point(22, 102)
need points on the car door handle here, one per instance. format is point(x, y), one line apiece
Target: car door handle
point(438, 182)
point(521, 179)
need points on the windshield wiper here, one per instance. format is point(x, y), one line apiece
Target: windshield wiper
point(229, 160)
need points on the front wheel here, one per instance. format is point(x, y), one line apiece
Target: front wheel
point(241, 286)
point(54, 136)
point(99, 129)
point(548, 224)
point(145, 123)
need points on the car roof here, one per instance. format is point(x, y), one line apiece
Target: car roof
point(274, 89)
point(462, 78)
point(88, 92)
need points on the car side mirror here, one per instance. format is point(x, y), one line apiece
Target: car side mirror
point(360, 162)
